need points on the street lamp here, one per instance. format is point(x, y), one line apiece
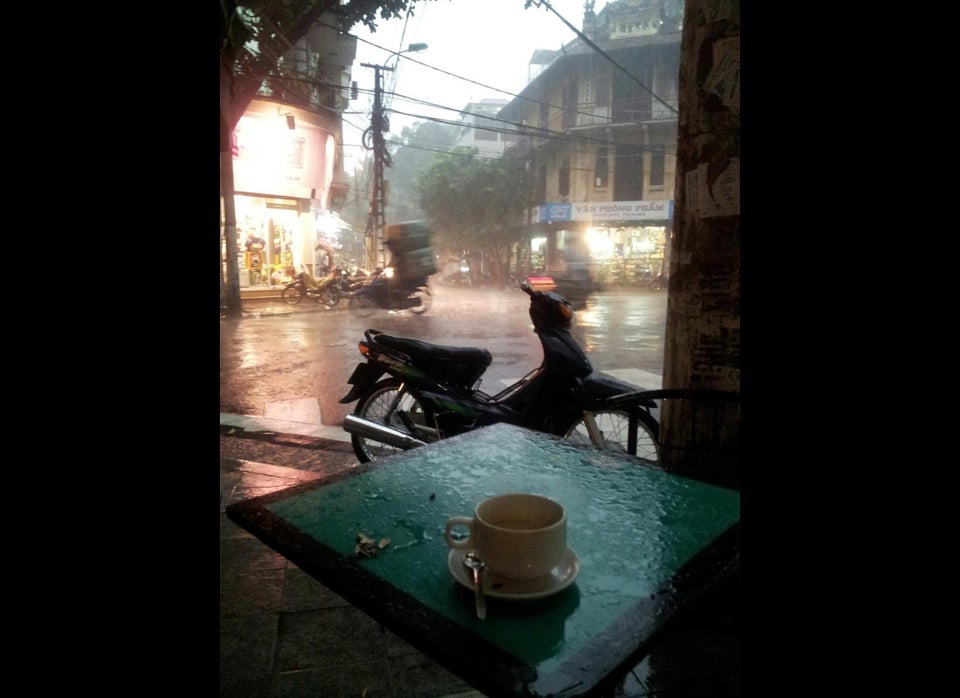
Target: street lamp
point(412, 48)
point(377, 127)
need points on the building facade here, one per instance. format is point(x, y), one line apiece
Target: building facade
point(599, 137)
point(288, 162)
point(482, 130)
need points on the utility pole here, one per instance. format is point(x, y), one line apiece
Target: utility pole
point(373, 139)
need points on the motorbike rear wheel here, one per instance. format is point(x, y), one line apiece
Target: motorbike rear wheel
point(614, 426)
point(362, 303)
point(382, 405)
point(292, 295)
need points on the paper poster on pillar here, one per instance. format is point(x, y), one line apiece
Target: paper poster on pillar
point(724, 77)
point(721, 197)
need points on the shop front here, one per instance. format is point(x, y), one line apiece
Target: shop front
point(621, 243)
point(269, 237)
point(283, 171)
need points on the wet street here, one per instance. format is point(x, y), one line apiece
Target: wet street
point(277, 353)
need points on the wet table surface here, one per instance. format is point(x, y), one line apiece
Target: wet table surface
point(648, 542)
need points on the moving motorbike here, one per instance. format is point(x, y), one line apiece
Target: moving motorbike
point(459, 275)
point(384, 290)
point(433, 391)
point(327, 290)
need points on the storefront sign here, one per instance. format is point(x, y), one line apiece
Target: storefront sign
point(624, 211)
point(658, 210)
point(271, 159)
point(283, 204)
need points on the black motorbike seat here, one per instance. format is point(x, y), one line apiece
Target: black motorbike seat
point(463, 365)
point(416, 347)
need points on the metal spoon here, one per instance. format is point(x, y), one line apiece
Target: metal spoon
point(473, 563)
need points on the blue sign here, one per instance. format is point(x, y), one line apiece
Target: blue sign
point(599, 211)
point(550, 213)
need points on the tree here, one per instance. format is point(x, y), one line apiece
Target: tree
point(474, 203)
point(254, 36)
point(412, 154)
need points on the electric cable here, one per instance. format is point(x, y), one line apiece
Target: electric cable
point(536, 102)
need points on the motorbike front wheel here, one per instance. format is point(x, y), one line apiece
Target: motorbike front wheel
point(330, 296)
point(292, 295)
point(614, 426)
point(383, 405)
point(426, 300)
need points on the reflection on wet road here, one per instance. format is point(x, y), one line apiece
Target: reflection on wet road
point(277, 362)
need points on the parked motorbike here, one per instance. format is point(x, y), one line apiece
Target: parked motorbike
point(432, 392)
point(327, 290)
point(383, 290)
point(356, 278)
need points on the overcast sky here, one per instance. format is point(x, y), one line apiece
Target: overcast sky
point(477, 49)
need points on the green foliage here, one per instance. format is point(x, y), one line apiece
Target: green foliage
point(474, 203)
point(411, 154)
point(255, 34)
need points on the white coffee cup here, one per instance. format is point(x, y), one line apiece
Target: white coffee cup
point(518, 536)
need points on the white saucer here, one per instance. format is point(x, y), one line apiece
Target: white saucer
point(498, 587)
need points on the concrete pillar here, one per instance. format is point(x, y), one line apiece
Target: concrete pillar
point(702, 341)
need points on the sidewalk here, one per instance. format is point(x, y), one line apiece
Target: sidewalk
point(282, 633)
point(260, 292)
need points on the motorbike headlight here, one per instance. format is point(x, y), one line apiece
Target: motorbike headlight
point(388, 272)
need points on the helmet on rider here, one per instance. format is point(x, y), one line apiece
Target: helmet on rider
point(550, 310)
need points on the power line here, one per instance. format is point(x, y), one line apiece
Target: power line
point(516, 129)
point(524, 130)
point(585, 39)
point(535, 102)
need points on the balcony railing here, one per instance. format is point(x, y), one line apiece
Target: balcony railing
point(633, 110)
point(645, 108)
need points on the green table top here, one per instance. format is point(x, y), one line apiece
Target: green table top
point(647, 540)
